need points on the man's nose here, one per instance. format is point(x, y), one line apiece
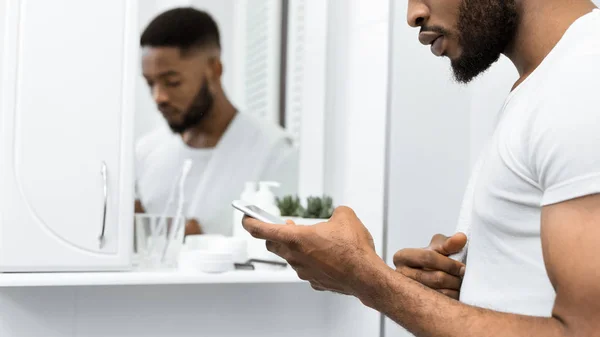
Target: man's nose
point(159, 95)
point(418, 13)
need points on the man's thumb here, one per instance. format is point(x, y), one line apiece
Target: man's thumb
point(342, 213)
point(454, 244)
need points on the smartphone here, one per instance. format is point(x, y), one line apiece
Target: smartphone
point(257, 212)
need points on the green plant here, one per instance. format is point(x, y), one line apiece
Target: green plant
point(318, 208)
point(290, 206)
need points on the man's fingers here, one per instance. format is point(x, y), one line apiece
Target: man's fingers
point(448, 245)
point(454, 244)
point(274, 247)
point(192, 227)
point(316, 286)
point(407, 257)
point(343, 213)
point(267, 231)
point(432, 279)
point(428, 259)
point(455, 294)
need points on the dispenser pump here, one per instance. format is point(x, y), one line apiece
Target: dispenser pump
point(249, 193)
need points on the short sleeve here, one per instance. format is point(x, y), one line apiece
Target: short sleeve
point(566, 134)
point(142, 150)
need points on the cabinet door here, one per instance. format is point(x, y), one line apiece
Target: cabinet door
point(67, 135)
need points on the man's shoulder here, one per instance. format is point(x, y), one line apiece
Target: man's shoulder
point(152, 141)
point(577, 77)
point(268, 131)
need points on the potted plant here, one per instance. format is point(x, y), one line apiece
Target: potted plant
point(318, 209)
point(290, 207)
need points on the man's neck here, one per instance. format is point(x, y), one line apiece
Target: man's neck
point(208, 133)
point(542, 25)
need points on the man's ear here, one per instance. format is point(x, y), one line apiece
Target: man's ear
point(218, 68)
point(215, 68)
point(213, 74)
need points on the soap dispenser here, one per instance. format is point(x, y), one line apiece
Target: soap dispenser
point(249, 196)
point(265, 198)
point(249, 193)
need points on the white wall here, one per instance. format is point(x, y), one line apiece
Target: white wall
point(437, 130)
point(357, 73)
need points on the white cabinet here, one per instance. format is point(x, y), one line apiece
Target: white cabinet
point(66, 115)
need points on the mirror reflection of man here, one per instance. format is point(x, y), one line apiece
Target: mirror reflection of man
point(181, 63)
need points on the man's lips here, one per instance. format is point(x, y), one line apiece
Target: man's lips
point(436, 40)
point(168, 112)
point(427, 38)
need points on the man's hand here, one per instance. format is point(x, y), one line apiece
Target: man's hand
point(432, 267)
point(192, 227)
point(331, 255)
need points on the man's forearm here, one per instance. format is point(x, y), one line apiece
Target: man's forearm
point(427, 313)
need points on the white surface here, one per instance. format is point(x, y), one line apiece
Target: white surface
point(357, 71)
point(56, 134)
point(437, 130)
point(146, 278)
point(223, 310)
point(205, 261)
point(306, 79)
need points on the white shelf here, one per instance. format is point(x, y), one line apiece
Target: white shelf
point(146, 278)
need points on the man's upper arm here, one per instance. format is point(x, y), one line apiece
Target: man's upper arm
point(565, 145)
point(570, 240)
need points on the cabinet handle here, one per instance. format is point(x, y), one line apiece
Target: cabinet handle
point(105, 189)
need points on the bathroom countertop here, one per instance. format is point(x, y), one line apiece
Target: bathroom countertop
point(146, 278)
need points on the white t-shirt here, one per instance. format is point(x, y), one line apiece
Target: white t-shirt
point(159, 167)
point(250, 150)
point(545, 150)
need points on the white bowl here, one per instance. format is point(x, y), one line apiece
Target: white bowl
point(237, 247)
point(205, 261)
point(202, 241)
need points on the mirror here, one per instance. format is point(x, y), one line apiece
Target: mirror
point(211, 94)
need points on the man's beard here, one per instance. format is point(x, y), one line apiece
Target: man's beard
point(485, 28)
point(196, 112)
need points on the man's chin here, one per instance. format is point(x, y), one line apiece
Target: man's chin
point(467, 68)
point(466, 74)
point(177, 129)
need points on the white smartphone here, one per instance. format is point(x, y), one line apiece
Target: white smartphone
point(257, 212)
